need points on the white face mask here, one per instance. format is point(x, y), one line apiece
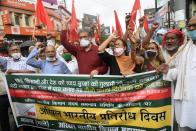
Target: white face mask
point(16, 56)
point(50, 59)
point(84, 42)
point(118, 51)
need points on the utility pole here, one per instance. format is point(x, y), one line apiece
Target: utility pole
point(156, 9)
point(187, 9)
point(169, 14)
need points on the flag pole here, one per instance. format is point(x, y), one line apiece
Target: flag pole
point(34, 28)
point(35, 21)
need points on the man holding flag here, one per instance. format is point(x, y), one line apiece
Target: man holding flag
point(86, 54)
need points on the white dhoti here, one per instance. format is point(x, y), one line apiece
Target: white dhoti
point(185, 110)
point(185, 92)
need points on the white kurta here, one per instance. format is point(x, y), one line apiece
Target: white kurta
point(185, 108)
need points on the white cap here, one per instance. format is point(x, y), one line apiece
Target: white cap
point(162, 31)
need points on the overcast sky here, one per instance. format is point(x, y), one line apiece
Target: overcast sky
point(105, 8)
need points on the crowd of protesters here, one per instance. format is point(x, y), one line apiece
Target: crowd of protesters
point(136, 52)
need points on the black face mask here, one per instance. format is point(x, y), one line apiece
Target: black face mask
point(150, 53)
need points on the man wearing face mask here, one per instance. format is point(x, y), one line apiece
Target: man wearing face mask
point(184, 73)
point(52, 65)
point(159, 35)
point(71, 62)
point(67, 58)
point(16, 63)
point(86, 54)
point(171, 42)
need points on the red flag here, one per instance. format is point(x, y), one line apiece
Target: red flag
point(146, 24)
point(98, 30)
point(42, 15)
point(113, 29)
point(74, 25)
point(118, 26)
point(135, 8)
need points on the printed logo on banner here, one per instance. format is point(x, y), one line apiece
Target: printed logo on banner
point(27, 110)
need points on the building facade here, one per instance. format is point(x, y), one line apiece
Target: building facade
point(184, 10)
point(17, 20)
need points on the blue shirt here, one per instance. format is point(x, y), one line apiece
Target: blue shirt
point(47, 67)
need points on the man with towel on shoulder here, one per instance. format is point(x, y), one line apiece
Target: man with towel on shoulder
point(185, 74)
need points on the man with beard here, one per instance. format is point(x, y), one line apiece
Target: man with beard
point(51, 65)
point(172, 40)
point(185, 74)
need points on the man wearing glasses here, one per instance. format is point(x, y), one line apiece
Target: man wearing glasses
point(185, 74)
point(86, 54)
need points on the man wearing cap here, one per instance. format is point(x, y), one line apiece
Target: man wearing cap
point(171, 42)
point(184, 73)
point(159, 35)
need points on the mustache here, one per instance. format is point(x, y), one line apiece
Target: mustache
point(171, 48)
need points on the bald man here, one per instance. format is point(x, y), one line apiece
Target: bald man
point(184, 74)
point(52, 65)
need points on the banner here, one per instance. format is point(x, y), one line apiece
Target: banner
point(141, 102)
point(160, 14)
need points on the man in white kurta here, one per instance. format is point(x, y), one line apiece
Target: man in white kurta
point(185, 74)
